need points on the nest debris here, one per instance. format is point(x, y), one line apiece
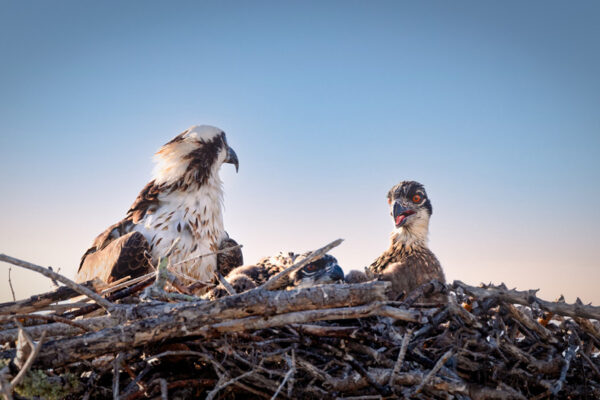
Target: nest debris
point(326, 342)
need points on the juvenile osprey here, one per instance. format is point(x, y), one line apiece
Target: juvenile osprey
point(325, 270)
point(408, 263)
point(184, 200)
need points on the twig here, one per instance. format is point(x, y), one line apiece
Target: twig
point(41, 301)
point(10, 284)
point(127, 283)
point(112, 297)
point(43, 317)
point(526, 298)
point(108, 306)
point(36, 350)
point(164, 390)
point(230, 290)
point(116, 375)
point(221, 386)
point(287, 376)
point(401, 355)
point(570, 353)
point(239, 246)
point(5, 385)
point(435, 369)
point(175, 353)
point(54, 280)
point(276, 281)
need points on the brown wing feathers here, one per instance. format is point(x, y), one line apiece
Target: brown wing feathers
point(124, 256)
point(127, 254)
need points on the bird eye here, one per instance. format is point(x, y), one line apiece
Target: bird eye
point(311, 267)
point(416, 198)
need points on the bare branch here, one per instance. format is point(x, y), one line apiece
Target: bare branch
point(435, 369)
point(29, 362)
point(10, 284)
point(108, 306)
point(401, 355)
point(116, 375)
point(225, 250)
point(527, 298)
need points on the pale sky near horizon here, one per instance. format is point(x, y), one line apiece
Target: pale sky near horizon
point(494, 107)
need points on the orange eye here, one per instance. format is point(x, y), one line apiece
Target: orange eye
point(416, 198)
point(311, 267)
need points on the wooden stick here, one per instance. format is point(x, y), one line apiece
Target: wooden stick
point(570, 353)
point(299, 317)
point(113, 297)
point(41, 301)
point(52, 318)
point(526, 298)
point(59, 328)
point(401, 356)
point(283, 382)
point(116, 375)
point(5, 389)
point(10, 284)
point(239, 246)
point(530, 324)
point(108, 306)
point(164, 389)
point(435, 369)
point(36, 350)
point(221, 386)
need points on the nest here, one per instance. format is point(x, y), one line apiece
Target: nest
point(325, 342)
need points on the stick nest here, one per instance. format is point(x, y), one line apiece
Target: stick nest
point(327, 342)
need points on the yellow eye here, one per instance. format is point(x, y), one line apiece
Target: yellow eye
point(416, 198)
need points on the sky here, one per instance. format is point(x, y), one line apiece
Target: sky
point(493, 106)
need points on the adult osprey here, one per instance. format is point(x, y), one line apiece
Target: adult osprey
point(183, 201)
point(324, 270)
point(408, 263)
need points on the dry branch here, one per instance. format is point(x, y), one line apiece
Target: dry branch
point(529, 297)
point(108, 306)
point(41, 301)
point(324, 342)
point(179, 320)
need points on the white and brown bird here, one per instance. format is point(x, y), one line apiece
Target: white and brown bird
point(183, 201)
point(408, 263)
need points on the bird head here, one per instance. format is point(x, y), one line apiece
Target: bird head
point(325, 270)
point(195, 154)
point(410, 207)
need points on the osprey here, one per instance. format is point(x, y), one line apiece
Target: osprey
point(183, 201)
point(408, 263)
point(324, 270)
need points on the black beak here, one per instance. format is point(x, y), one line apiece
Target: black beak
point(337, 274)
point(400, 214)
point(232, 158)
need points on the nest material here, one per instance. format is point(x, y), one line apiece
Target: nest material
point(326, 342)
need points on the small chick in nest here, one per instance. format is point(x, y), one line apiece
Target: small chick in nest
point(325, 270)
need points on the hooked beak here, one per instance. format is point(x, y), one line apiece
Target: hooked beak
point(400, 214)
point(337, 274)
point(232, 158)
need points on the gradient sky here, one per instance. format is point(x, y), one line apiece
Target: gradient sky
point(493, 106)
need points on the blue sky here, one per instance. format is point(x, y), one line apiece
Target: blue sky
point(493, 106)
